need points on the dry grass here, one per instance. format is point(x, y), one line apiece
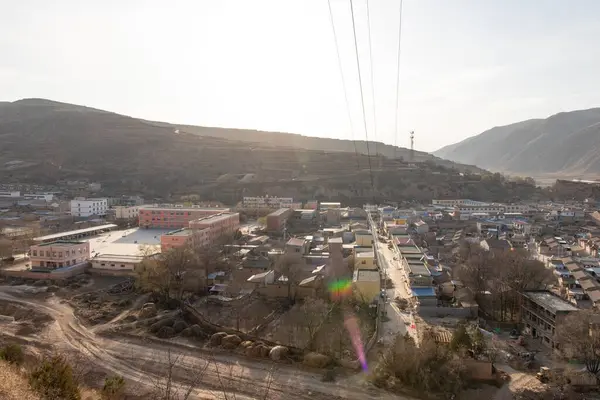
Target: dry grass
point(14, 385)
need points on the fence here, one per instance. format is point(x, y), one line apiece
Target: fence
point(55, 275)
point(458, 312)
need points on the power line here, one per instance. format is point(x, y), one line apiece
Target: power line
point(337, 50)
point(398, 75)
point(362, 98)
point(372, 80)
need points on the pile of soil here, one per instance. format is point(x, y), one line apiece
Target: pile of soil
point(30, 320)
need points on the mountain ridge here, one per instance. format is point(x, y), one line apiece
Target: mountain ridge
point(564, 144)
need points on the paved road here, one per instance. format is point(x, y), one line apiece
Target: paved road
point(148, 362)
point(398, 322)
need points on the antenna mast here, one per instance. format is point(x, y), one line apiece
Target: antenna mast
point(412, 146)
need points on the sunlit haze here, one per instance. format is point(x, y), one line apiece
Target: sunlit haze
point(466, 66)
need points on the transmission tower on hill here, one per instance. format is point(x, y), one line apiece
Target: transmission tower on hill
point(412, 146)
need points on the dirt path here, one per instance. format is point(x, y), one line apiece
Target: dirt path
point(146, 362)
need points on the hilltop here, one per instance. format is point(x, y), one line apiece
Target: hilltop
point(565, 144)
point(44, 141)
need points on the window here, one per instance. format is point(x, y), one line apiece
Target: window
point(53, 254)
point(112, 265)
point(60, 253)
point(122, 265)
point(47, 253)
point(34, 253)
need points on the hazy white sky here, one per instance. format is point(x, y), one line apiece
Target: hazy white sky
point(467, 65)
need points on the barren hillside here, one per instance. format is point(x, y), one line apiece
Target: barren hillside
point(44, 141)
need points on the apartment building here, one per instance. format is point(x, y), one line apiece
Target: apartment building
point(541, 312)
point(166, 216)
point(277, 219)
point(58, 254)
point(82, 207)
point(202, 232)
point(180, 237)
point(218, 225)
point(127, 212)
point(6, 193)
point(267, 202)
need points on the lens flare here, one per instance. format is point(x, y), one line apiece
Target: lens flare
point(340, 289)
point(352, 326)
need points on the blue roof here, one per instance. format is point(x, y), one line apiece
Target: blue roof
point(423, 292)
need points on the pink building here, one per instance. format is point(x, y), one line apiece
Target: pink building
point(62, 253)
point(170, 216)
point(218, 225)
point(203, 231)
point(180, 237)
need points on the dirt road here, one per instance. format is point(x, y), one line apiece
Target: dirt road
point(213, 373)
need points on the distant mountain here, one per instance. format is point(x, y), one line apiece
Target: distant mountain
point(566, 144)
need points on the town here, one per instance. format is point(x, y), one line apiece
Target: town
point(278, 279)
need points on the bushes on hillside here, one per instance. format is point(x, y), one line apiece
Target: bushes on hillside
point(114, 388)
point(12, 353)
point(53, 380)
point(427, 369)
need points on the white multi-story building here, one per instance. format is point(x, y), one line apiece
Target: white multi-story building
point(82, 207)
point(39, 196)
point(267, 202)
point(10, 194)
point(125, 212)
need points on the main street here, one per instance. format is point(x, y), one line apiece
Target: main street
point(398, 322)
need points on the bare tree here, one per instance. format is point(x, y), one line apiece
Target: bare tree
point(291, 268)
point(579, 338)
point(314, 314)
point(228, 381)
point(171, 385)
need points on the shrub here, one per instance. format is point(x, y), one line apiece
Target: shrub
point(428, 368)
point(53, 380)
point(113, 388)
point(12, 353)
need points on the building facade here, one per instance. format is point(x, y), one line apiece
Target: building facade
point(277, 219)
point(267, 202)
point(81, 207)
point(541, 312)
point(62, 253)
point(168, 216)
point(127, 212)
point(225, 224)
point(202, 232)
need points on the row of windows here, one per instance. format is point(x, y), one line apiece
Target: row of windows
point(165, 212)
point(113, 265)
point(58, 265)
point(53, 254)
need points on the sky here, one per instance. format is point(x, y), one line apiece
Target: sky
point(465, 65)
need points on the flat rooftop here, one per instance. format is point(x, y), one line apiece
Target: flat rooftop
point(118, 258)
point(409, 250)
point(62, 243)
point(171, 207)
point(366, 275)
point(129, 242)
point(365, 254)
point(279, 212)
point(419, 269)
point(180, 232)
point(75, 232)
point(550, 301)
point(214, 218)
